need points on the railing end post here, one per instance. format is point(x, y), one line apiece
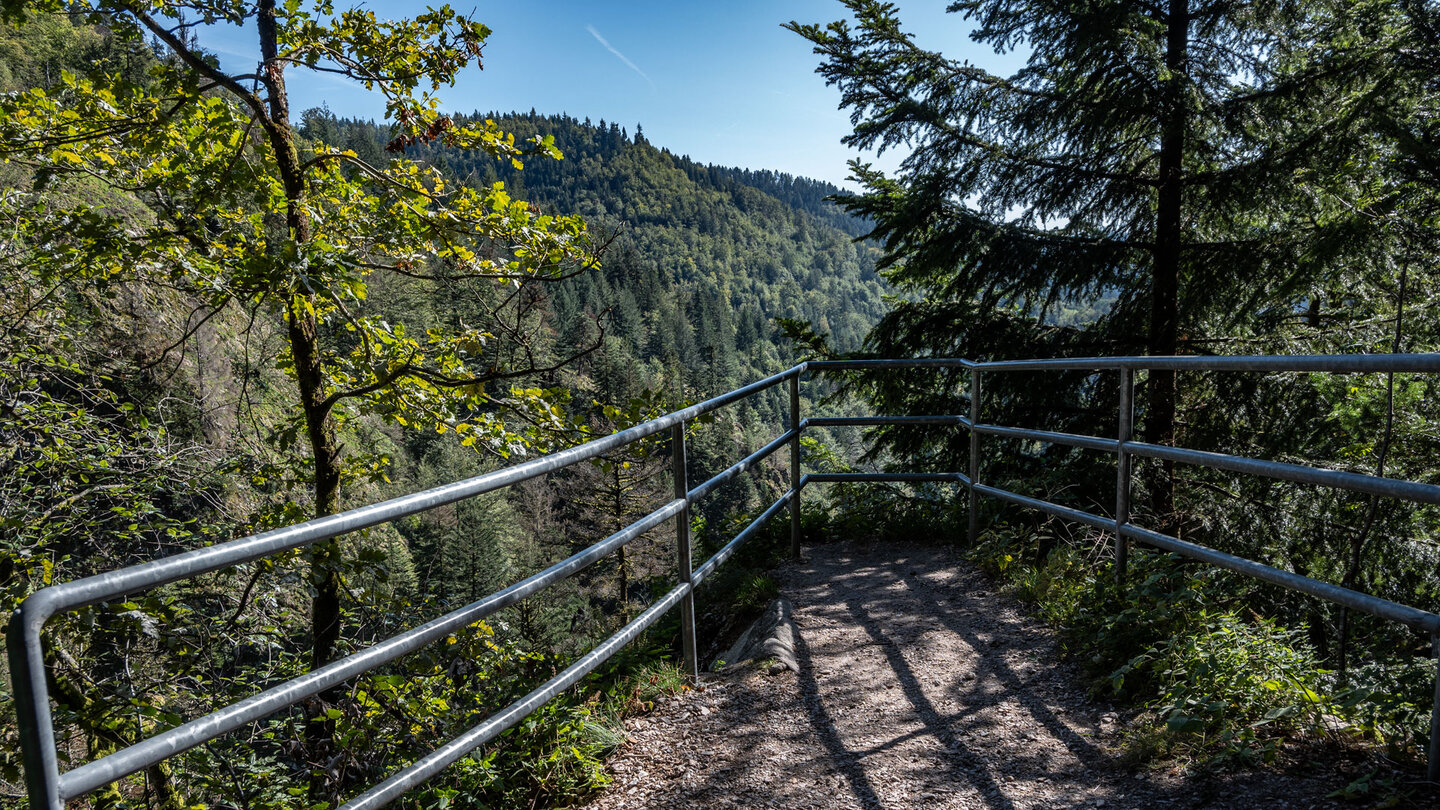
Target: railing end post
point(25, 648)
point(795, 468)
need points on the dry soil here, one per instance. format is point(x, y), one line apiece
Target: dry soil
point(919, 686)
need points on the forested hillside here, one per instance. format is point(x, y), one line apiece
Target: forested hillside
point(705, 260)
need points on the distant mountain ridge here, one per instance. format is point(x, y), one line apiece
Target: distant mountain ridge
point(800, 193)
point(708, 258)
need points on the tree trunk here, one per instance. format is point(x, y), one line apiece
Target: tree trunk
point(304, 338)
point(1360, 539)
point(1165, 272)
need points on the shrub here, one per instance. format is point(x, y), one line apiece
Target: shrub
point(1228, 689)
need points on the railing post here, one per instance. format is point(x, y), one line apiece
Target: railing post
point(682, 552)
point(32, 713)
point(1433, 769)
point(795, 467)
point(974, 532)
point(1122, 476)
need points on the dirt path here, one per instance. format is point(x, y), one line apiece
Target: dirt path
point(918, 687)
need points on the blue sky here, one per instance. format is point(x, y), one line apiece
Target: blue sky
point(720, 81)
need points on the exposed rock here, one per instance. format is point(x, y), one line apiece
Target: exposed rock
point(772, 636)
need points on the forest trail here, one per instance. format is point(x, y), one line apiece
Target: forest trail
point(918, 687)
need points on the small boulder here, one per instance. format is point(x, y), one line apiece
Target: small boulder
point(772, 636)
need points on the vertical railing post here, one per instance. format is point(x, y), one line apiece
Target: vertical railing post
point(1122, 476)
point(682, 551)
point(795, 466)
point(32, 711)
point(974, 532)
point(1433, 766)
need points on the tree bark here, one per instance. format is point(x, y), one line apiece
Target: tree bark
point(1165, 270)
point(304, 338)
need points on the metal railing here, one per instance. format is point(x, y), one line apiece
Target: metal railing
point(1125, 447)
point(49, 788)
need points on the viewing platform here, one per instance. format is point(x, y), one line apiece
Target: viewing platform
point(919, 686)
point(913, 679)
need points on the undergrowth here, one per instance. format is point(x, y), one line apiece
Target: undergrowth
point(1217, 684)
point(556, 756)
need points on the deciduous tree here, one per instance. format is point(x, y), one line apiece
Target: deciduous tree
point(237, 211)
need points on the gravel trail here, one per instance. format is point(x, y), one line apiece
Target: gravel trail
point(918, 687)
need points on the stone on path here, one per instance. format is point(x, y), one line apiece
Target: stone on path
point(771, 636)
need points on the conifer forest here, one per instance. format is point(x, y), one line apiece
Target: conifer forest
point(221, 314)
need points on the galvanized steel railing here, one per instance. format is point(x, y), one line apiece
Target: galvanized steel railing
point(1125, 447)
point(49, 788)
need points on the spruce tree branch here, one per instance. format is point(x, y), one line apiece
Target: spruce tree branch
point(903, 106)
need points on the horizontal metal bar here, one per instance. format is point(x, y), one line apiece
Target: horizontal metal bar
point(168, 743)
point(1334, 363)
point(430, 765)
point(740, 466)
point(845, 421)
point(1071, 439)
point(1299, 473)
point(734, 545)
point(832, 478)
point(1065, 512)
point(1383, 608)
point(921, 362)
point(46, 602)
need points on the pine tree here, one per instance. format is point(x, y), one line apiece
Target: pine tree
point(475, 554)
point(1147, 150)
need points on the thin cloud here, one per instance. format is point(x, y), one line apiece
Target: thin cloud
point(622, 57)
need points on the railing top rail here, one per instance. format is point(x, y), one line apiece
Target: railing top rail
point(43, 604)
point(918, 362)
point(1336, 363)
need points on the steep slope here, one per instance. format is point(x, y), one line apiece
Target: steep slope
point(707, 257)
